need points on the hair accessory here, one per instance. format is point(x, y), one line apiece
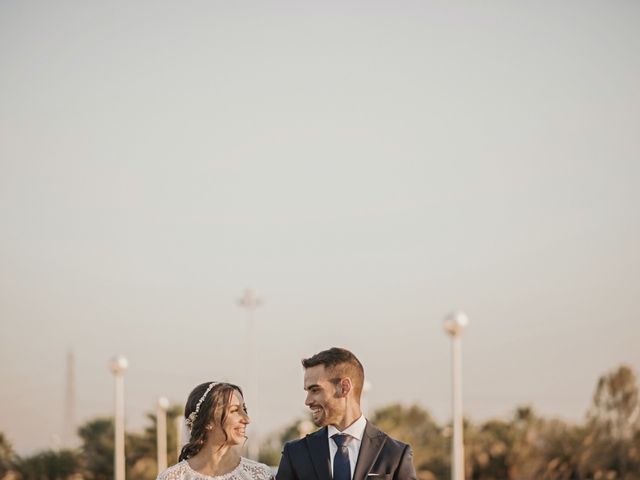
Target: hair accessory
point(193, 415)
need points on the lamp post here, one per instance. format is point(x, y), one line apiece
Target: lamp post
point(454, 324)
point(250, 301)
point(118, 366)
point(161, 433)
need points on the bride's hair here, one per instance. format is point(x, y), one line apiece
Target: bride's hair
point(217, 399)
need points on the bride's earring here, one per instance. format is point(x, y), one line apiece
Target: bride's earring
point(209, 427)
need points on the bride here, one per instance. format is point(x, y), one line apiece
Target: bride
point(217, 417)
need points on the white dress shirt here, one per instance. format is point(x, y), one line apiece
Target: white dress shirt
point(356, 430)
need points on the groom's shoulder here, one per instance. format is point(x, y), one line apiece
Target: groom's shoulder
point(302, 442)
point(390, 442)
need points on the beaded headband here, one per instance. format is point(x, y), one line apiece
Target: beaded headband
point(190, 420)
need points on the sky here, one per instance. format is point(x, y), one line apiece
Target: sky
point(366, 167)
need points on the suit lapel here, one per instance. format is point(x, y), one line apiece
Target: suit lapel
point(318, 445)
point(372, 442)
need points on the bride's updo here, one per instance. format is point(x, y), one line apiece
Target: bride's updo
point(207, 403)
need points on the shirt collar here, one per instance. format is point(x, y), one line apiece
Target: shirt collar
point(356, 429)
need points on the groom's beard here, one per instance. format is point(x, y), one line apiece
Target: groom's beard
point(319, 419)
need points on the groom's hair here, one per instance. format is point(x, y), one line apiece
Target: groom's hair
point(340, 363)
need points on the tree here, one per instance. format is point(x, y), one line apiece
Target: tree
point(98, 448)
point(7, 456)
point(49, 465)
point(271, 448)
point(140, 448)
point(615, 412)
point(415, 426)
point(543, 448)
point(489, 449)
point(613, 427)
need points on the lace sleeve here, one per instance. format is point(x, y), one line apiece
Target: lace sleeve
point(257, 471)
point(175, 472)
point(266, 474)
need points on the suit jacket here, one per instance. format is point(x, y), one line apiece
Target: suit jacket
point(380, 458)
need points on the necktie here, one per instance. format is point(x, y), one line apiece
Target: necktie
point(341, 465)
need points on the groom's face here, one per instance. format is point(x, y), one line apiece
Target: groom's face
point(327, 407)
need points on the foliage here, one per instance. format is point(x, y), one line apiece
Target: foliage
point(612, 443)
point(48, 465)
point(142, 449)
point(415, 426)
point(7, 456)
point(97, 448)
point(271, 448)
point(141, 452)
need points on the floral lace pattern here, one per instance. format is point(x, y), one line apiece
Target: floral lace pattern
point(246, 470)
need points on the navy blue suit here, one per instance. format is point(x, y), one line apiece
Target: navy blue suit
point(380, 458)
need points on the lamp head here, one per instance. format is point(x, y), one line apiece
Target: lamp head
point(118, 364)
point(455, 322)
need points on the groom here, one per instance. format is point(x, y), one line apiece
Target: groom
point(347, 447)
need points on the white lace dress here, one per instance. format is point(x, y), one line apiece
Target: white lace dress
point(246, 470)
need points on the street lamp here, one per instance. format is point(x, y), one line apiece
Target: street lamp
point(250, 301)
point(118, 366)
point(454, 324)
point(161, 432)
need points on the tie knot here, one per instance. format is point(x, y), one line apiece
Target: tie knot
point(341, 439)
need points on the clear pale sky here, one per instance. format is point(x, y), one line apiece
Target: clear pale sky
point(365, 166)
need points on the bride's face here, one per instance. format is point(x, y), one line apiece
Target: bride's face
point(235, 423)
